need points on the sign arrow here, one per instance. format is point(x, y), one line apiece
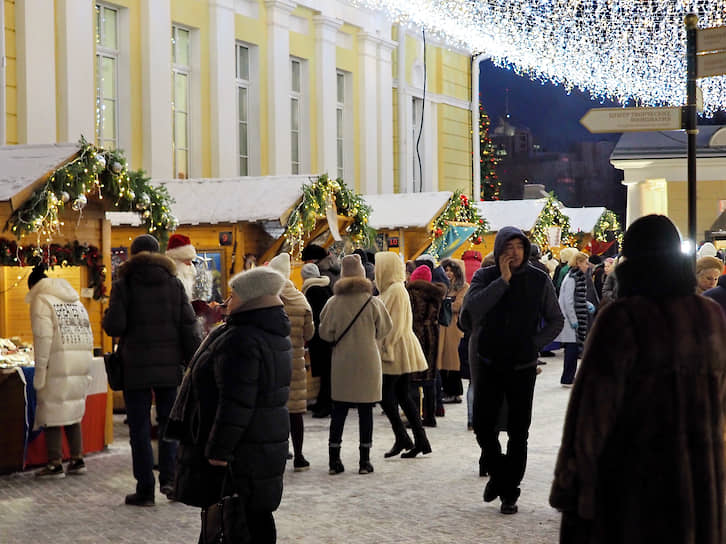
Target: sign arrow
point(602, 120)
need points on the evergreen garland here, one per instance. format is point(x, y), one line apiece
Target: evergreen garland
point(95, 171)
point(313, 205)
point(608, 223)
point(75, 254)
point(489, 183)
point(551, 216)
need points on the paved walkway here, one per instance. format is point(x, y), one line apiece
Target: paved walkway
point(436, 499)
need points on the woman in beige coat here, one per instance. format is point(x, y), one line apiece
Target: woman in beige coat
point(401, 354)
point(451, 335)
point(354, 321)
point(302, 329)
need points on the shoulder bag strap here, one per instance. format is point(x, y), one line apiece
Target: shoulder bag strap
point(351, 323)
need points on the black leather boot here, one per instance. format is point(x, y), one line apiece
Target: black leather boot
point(364, 466)
point(335, 464)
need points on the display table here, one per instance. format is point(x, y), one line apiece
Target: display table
point(20, 446)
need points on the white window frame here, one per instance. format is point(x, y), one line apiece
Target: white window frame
point(416, 114)
point(302, 165)
point(253, 108)
point(185, 70)
point(348, 167)
point(243, 84)
point(104, 52)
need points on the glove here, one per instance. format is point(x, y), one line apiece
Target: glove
point(590, 307)
point(574, 325)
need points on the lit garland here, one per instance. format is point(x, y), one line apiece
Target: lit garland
point(618, 49)
point(458, 209)
point(551, 216)
point(490, 184)
point(313, 205)
point(94, 172)
point(75, 254)
point(608, 222)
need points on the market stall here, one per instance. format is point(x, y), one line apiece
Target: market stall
point(53, 200)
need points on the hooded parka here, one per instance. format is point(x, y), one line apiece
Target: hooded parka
point(63, 349)
point(400, 349)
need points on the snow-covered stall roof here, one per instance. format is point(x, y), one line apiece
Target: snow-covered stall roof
point(511, 213)
point(405, 210)
point(583, 219)
point(210, 201)
point(22, 165)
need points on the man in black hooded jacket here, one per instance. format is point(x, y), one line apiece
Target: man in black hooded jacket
point(511, 311)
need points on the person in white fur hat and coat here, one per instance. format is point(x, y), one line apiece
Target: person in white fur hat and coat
point(182, 252)
point(302, 329)
point(354, 321)
point(63, 347)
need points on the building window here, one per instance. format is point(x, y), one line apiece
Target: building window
point(107, 53)
point(295, 113)
point(340, 125)
point(418, 152)
point(243, 98)
point(180, 108)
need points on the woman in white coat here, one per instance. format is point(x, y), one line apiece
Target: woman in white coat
point(401, 355)
point(63, 346)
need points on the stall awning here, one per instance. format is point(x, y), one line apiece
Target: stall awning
point(231, 200)
point(21, 166)
point(583, 219)
point(522, 214)
point(405, 210)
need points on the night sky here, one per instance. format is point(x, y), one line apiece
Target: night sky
point(546, 109)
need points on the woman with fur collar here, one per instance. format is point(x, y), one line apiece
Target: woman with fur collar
point(317, 291)
point(426, 299)
point(642, 454)
point(302, 329)
point(401, 355)
point(63, 347)
point(354, 321)
point(450, 335)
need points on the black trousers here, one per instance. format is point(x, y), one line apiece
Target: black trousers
point(395, 394)
point(493, 387)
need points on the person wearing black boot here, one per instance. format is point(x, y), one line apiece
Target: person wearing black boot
point(354, 321)
point(511, 311)
point(402, 355)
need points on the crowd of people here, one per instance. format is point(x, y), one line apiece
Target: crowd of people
point(642, 454)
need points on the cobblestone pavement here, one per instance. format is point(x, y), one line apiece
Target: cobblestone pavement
point(432, 499)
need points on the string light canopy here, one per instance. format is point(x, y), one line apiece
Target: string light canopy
point(628, 51)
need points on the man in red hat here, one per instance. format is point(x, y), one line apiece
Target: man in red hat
point(182, 252)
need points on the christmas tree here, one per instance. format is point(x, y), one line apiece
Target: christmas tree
point(490, 184)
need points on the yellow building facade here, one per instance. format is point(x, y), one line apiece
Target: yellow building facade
point(229, 88)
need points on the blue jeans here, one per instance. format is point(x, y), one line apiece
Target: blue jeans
point(138, 413)
point(570, 363)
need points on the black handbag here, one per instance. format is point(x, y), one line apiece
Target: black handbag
point(114, 370)
point(446, 314)
point(225, 521)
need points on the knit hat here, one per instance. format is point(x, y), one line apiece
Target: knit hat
point(313, 252)
point(310, 270)
point(352, 267)
point(145, 242)
point(651, 236)
point(281, 263)
point(707, 263)
point(423, 272)
point(180, 248)
point(257, 282)
point(427, 257)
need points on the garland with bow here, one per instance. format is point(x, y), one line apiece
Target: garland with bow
point(608, 223)
point(317, 196)
point(460, 209)
point(552, 216)
point(75, 254)
point(95, 171)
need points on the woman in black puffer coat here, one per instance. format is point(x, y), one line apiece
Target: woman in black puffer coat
point(231, 413)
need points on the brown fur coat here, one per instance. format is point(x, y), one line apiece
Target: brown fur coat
point(642, 455)
point(426, 299)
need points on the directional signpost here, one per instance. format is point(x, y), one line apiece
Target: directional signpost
point(599, 120)
point(706, 57)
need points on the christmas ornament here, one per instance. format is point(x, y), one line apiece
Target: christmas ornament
point(101, 161)
point(146, 214)
point(143, 201)
point(116, 167)
point(65, 197)
point(79, 203)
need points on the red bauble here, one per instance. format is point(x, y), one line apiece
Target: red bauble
point(478, 239)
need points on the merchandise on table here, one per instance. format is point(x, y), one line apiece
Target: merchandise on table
point(14, 352)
